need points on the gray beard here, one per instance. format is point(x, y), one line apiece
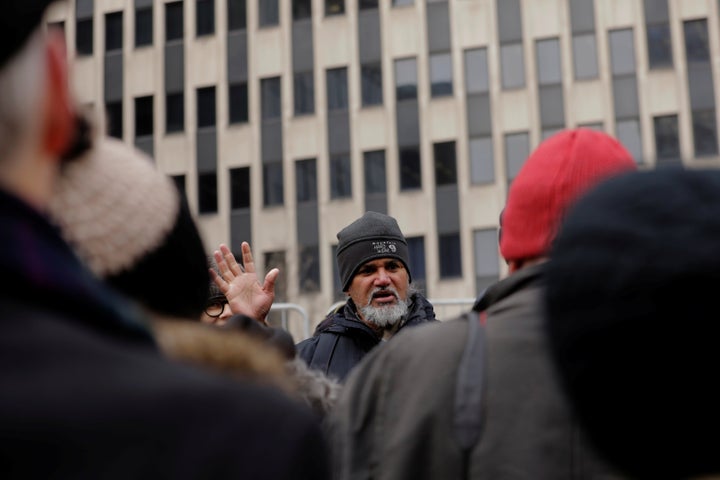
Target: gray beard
point(386, 316)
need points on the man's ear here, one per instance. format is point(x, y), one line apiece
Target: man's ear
point(58, 119)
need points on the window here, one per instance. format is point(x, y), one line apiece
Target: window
point(512, 66)
point(338, 294)
point(398, 3)
point(482, 165)
point(304, 90)
point(449, 255)
point(143, 26)
point(309, 268)
point(547, 54)
point(410, 177)
point(667, 144)
point(84, 36)
point(270, 90)
point(174, 112)
point(622, 52)
point(367, 4)
point(697, 45)
point(114, 112)
point(207, 192)
point(174, 21)
point(206, 107)
point(277, 260)
point(238, 98)
point(517, 149)
point(273, 184)
point(340, 176)
point(405, 79)
point(585, 62)
point(659, 46)
point(476, 71)
point(375, 181)
point(268, 13)
point(113, 31)
point(334, 7)
point(301, 9)
point(445, 169)
point(487, 260)
point(239, 188)
point(143, 116)
point(179, 181)
point(416, 252)
point(204, 17)
point(441, 83)
point(704, 132)
point(237, 15)
point(628, 133)
point(371, 79)
point(306, 180)
point(337, 85)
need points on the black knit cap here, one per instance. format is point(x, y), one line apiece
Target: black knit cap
point(632, 304)
point(18, 20)
point(372, 236)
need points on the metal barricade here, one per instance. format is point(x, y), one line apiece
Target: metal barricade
point(284, 308)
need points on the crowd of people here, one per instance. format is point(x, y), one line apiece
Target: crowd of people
point(125, 352)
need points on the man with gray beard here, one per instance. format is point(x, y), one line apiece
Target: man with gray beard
point(373, 261)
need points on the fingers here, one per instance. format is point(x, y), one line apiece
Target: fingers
point(270, 280)
point(218, 280)
point(229, 261)
point(247, 257)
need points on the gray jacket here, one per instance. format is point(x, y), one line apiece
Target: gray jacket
point(414, 410)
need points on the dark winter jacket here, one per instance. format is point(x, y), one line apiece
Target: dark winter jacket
point(342, 339)
point(85, 393)
point(460, 400)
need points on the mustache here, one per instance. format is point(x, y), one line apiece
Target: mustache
point(383, 292)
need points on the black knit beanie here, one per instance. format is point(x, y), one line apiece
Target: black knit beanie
point(632, 316)
point(372, 236)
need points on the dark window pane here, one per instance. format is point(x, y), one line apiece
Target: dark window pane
point(410, 177)
point(143, 116)
point(416, 251)
point(174, 112)
point(397, 3)
point(441, 79)
point(476, 71)
point(304, 97)
point(445, 169)
point(273, 184)
point(306, 180)
point(337, 89)
point(269, 14)
point(309, 269)
point(659, 46)
point(238, 98)
point(270, 88)
point(334, 7)
point(667, 145)
point(482, 163)
point(143, 26)
point(340, 177)
point(84, 36)
point(405, 79)
point(179, 181)
point(301, 9)
point(239, 188)
point(449, 255)
point(549, 65)
point(517, 149)
point(365, 4)
point(512, 66)
point(114, 119)
point(205, 17)
point(237, 15)
point(206, 107)
point(174, 21)
point(371, 76)
point(375, 180)
point(113, 31)
point(207, 192)
point(705, 133)
point(585, 63)
point(487, 261)
point(697, 47)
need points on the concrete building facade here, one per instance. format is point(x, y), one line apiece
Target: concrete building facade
point(284, 120)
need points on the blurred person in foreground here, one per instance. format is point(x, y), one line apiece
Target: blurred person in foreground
point(477, 397)
point(86, 393)
point(373, 262)
point(632, 320)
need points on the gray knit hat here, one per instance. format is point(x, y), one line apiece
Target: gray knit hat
point(371, 236)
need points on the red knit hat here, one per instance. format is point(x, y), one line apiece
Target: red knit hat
point(554, 175)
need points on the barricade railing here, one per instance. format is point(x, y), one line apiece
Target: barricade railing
point(285, 308)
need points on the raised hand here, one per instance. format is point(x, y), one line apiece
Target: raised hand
point(241, 286)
